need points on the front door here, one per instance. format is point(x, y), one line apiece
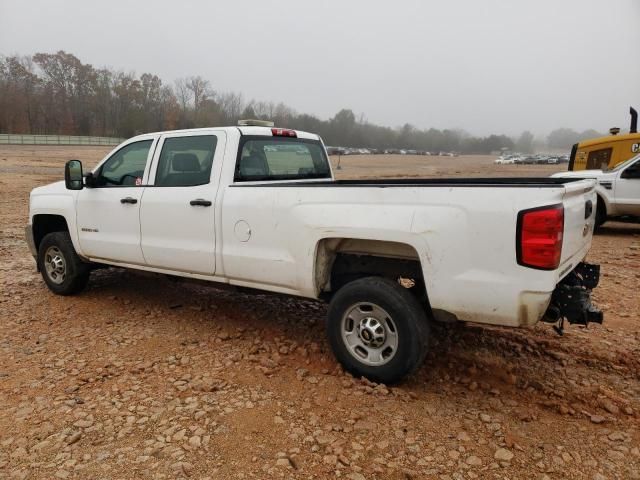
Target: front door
point(177, 214)
point(108, 215)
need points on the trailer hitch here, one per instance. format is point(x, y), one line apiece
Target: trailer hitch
point(571, 299)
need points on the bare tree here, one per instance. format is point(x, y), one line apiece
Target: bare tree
point(263, 110)
point(200, 89)
point(183, 93)
point(232, 106)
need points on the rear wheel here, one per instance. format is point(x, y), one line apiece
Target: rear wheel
point(61, 268)
point(377, 329)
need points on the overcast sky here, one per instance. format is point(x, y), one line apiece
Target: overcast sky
point(481, 65)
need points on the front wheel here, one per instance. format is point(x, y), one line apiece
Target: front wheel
point(377, 329)
point(61, 268)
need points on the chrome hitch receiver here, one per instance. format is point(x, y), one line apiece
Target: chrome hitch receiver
point(571, 299)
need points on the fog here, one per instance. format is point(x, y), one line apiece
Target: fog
point(494, 66)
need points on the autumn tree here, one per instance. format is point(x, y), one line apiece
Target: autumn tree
point(57, 93)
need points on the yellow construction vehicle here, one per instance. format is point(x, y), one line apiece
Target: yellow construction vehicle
point(606, 152)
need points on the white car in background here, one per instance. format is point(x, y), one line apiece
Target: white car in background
point(618, 189)
point(508, 160)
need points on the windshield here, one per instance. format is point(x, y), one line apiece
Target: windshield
point(280, 158)
point(624, 164)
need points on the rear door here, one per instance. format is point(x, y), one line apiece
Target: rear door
point(256, 243)
point(108, 215)
point(177, 215)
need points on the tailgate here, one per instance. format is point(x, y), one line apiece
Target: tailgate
point(579, 218)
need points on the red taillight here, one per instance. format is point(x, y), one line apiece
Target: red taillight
point(539, 241)
point(283, 132)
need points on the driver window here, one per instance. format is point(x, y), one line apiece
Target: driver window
point(125, 168)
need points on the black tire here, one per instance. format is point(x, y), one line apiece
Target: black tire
point(601, 214)
point(75, 276)
point(407, 317)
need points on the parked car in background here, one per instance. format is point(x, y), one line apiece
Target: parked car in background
point(335, 151)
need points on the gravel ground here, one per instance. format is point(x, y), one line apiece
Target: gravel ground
point(143, 377)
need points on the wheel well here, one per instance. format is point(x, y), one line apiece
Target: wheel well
point(44, 224)
point(340, 261)
point(348, 267)
point(600, 203)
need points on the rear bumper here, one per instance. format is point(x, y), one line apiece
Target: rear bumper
point(571, 299)
point(28, 236)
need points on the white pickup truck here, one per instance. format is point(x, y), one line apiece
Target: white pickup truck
point(258, 207)
point(618, 189)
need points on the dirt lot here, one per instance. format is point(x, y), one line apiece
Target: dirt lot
point(141, 377)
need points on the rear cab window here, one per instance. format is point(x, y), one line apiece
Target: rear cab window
point(264, 158)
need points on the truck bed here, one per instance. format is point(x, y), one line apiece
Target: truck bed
point(462, 230)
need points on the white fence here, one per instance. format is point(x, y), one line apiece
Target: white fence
point(10, 139)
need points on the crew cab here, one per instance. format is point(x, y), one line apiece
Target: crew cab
point(618, 189)
point(257, 206)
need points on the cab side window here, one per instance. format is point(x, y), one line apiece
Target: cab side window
point(125, 168)
point(632, 171)
point(186, 161)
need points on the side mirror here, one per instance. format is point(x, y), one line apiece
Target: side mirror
point(73, 175)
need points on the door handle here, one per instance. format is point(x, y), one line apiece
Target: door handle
point(129, 200)
point(199, 202)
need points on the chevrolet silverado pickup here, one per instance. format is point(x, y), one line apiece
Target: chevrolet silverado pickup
point(618, 189)
point(258, 207)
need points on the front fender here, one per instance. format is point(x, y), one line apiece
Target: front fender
point(61, 204)
point(606, 195)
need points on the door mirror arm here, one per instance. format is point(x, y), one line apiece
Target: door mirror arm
point(89, 180)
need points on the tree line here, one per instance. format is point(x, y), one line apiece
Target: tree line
point(55, 93)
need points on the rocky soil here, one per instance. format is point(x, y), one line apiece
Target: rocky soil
point(143, 377)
